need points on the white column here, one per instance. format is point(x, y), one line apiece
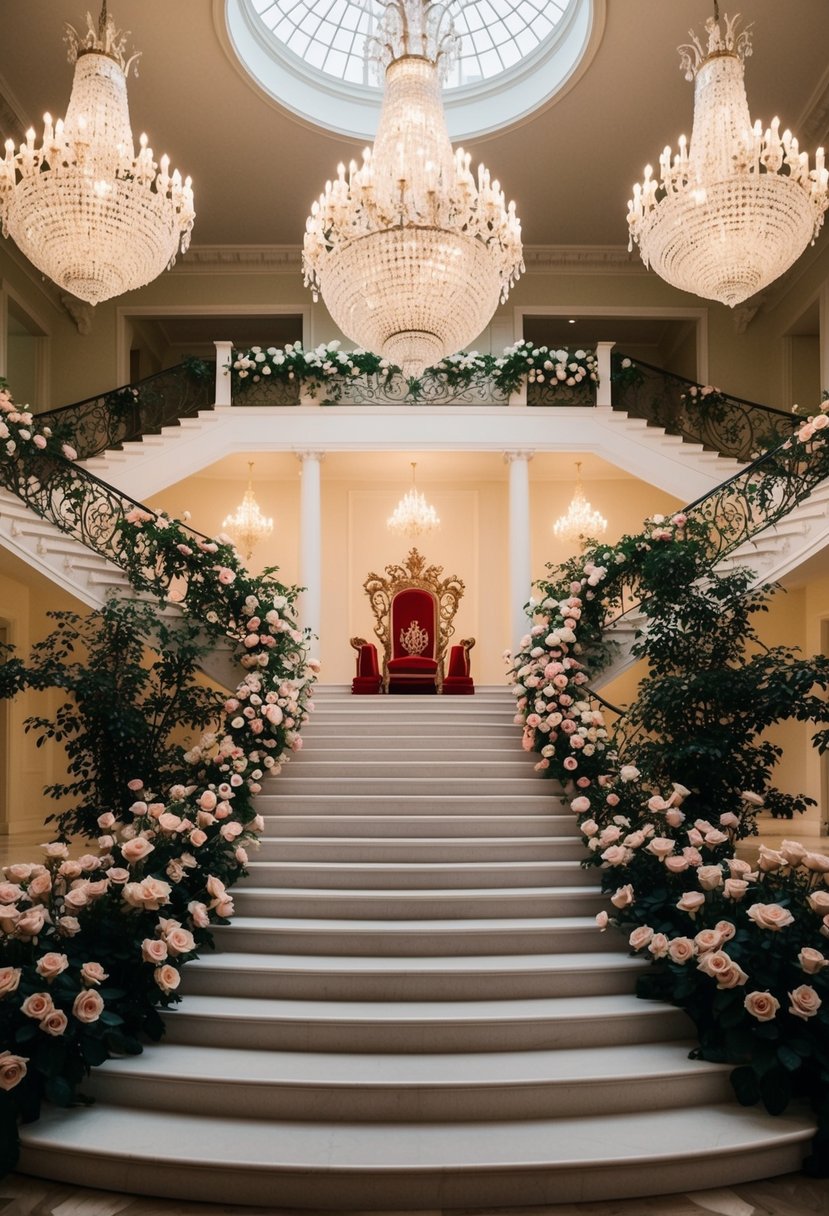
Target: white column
point(223, 352)
point(310, 544)
point(603, 392)
point(520, 564)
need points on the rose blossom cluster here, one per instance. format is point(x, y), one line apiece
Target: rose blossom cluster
point(19, 430)
point(543, 364)
point(293, 362)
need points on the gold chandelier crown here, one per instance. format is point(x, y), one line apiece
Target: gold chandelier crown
point(391, 241)
point(730, 211)
point(102, 39)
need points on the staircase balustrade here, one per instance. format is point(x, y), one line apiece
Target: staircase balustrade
point(128, 413)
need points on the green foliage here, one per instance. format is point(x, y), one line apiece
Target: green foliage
point(126, 708)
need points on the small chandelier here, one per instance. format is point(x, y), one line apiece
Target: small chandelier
point(247, 526)
point(581, 519)
point(410, 254)
point(413, 515)
point(732, 211)
point(87, 211)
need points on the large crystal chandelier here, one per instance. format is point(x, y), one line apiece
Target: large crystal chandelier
point(408, 251)
point(247, 525)
point(580, 519)
point(413, 515)
point(737, 207)
point(90, 214)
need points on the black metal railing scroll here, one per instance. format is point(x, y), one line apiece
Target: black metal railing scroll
point(128, 413)
point(729, 425)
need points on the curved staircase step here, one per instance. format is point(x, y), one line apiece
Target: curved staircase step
point(440, 849)
point(413, 905)
point(404, 826)
point(380, 875)
point(426, 1165)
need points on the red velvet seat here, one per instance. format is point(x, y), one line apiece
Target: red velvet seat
point(413, 666)
point(458, 680)
point(368, 679)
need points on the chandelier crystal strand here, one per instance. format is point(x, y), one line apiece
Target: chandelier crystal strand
point(86, 210)
point(247, 526)
point(409, 252)
point(580, 519)
point(733, 210)
point(413, 515)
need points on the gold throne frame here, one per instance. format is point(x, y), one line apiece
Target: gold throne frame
point(414, 572)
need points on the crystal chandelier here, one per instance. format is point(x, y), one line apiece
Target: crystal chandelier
point(732, 211)
point(413, 515)
point(90, 214)
point(247, 526)
point(408, 251)
point(580, 519)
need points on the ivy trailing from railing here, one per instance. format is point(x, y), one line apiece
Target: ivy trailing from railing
point(327, 370)
point(740, 946)
point(125, 414)
point(92, 946)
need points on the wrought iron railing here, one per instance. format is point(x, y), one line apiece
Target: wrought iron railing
point(559, 395)
point(124, 414)
point(722, 423)
point(371, 390)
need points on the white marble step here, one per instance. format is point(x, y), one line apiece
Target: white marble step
point(398, 1088)
point(501, 727)
point(291, 783)
point(423, 1026)
point(440, 753)
point(379, 823)
point(438, 849)
point(528, 796)
point(433, 875)
point(382, 938)
point(415, 905)
point(413, 978)
point(389, 1166)
point(414, 767)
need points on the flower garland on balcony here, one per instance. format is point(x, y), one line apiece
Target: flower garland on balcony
point(328, 365)
point(741, 946)
point(92, 946)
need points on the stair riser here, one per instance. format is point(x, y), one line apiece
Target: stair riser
point(414, 986)
point(393, 1103)
point(445, 850)
point(379, 877)
point(383, 1034)
point(444, 744)
point(393, 942)
point(411, 827)
point(438, 906)
point(421, 786)
point(394, 1189)
point(313, 768)
point(500, 729)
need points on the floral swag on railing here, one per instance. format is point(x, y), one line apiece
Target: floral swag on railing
point(741, 947)
point(91, 946)
point(329, 367)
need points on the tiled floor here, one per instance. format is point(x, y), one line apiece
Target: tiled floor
point(792, 1195)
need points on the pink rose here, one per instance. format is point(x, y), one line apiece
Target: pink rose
point(734, 888)
point(12, 1070)
point(691, 902)
point(136, 849)
point(726, 930)
point(818, 863)
point(197, 838)
point(770, 916)
point(658, 945)
point(623, 897)
point(93, 973)
point(722, 968)
point(680, 950)
point(676, 865)
point(580, 805)
point(661, 847)
point(226, 576)
point(135, 785)
point(812, 961)
point(167, 978)
point(805, 1002)
point(199, 914)
point(640, 937)
point(153, 950)
point(118, 874)
point(31, 922)
point(707, 939)
point(180, 941)
point(761, 1005)
point(54, 1023)
point(602, 920)
point(50, 965)
point(709, 877)
point(37, 1005)
point(88, 1006)
point(9, 980)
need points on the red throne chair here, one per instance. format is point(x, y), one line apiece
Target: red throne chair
point(414, 608)
point(458, 679)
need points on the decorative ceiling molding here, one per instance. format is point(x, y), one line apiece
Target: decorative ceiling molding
point(13, 121)
point(813, 124)
point(287, 259)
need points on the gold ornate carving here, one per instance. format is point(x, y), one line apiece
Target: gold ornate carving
point(413, 572)
point(414, 640)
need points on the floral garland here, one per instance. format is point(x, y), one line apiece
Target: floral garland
point(327, 364)
point(741, 947)
point(91, 946)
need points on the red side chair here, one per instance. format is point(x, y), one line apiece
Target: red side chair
point(413, 666)
point(458, 681)
point(368, 679)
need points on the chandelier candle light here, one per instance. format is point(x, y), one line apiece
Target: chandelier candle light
point(87, 211)
point(409, 253)
point(735, 208)
point(580, 520)
point(247, 526)
point(413, 515)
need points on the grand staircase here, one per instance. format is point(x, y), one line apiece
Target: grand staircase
point(413, 1008)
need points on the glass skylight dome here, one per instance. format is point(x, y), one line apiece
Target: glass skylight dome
point(515, 55)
